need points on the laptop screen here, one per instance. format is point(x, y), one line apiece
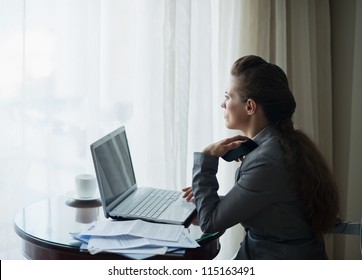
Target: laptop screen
point(113, 165)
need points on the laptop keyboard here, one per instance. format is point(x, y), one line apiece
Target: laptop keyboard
point(154, 203)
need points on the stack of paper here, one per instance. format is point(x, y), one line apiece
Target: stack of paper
point(135, 238)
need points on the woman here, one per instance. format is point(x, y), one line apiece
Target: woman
point(284, 195)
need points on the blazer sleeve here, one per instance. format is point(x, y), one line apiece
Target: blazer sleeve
point(256, 189)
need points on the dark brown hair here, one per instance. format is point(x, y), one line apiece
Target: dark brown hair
point(267, 85)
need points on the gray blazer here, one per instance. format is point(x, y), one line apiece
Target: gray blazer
point(264, 200)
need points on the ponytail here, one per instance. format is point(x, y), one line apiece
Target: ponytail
point(314, 179)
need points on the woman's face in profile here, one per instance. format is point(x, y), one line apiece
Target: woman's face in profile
point(235, 111)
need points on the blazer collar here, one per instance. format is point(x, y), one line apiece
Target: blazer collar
point(267, 133)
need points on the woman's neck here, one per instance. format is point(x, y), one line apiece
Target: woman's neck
point(255, 126)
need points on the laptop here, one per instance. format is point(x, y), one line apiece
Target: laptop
point(121, 197)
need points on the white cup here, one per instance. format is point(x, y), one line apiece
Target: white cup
point(85, 185)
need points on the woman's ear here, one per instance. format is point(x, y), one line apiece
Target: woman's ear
point(251, 106)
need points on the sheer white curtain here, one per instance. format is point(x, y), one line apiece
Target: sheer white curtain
point(72, 71)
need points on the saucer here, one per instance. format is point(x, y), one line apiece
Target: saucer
point(73, 195)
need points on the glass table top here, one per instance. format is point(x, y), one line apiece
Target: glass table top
point(52, 220)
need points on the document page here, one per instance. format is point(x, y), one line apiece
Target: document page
point(138, 238)
point(135, 228)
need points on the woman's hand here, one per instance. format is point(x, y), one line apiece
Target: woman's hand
point(188, 194)
point(220, 148)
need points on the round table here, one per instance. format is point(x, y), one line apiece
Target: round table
point(45, 228)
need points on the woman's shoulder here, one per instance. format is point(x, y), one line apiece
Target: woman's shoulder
point(268, 144)
point(269, 155)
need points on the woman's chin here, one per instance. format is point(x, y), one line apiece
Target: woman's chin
point(228, 125)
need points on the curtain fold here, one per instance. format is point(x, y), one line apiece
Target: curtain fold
point(310, 74)
point(309, 69)
point(347, 70)
point(176, 72)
